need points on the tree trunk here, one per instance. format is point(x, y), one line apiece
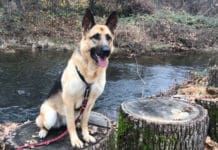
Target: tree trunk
point(101, 126)
point(213, 77)
point(212, 107)
point(162, 124)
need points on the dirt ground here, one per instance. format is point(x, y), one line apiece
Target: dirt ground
point(5, 130)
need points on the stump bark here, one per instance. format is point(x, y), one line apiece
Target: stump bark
point(212, 107)
point(162, 124)
point(213, 77)
point(102, 128)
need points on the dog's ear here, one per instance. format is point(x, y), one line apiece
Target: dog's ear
point(88, 20)
point(112, 21)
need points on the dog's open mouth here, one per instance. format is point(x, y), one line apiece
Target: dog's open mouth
point(102, 62)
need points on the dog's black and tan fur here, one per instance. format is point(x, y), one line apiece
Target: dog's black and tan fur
point(91, 60)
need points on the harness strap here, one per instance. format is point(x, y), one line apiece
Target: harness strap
point(82, 77)
point(85, 100)
point(88, 85)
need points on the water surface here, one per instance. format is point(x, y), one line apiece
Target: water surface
point(26, 78)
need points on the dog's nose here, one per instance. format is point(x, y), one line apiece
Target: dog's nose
point(105, 51)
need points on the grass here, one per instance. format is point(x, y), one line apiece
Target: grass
point(161, 30)
point(1, 12)
point(160, 46)
point(171, 16)
point(187, 19)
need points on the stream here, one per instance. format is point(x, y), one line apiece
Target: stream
point(26, 78)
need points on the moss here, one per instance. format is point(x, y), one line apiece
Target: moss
point(147, 133)
point(166, 139)
point(123, 125)
point(213, 129)
point(151, 137)
point(213, 115)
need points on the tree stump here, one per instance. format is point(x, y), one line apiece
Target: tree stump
point(162, 124)
point(213, 77)
point(101, 127)
point(212, 107)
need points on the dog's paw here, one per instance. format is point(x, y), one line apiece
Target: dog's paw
point(76, 142)
point(42, 133)
point(89, 138)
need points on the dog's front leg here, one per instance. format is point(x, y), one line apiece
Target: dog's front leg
point(70, 119)
point(84, 122)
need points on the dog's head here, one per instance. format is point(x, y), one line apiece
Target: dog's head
point(97, 41)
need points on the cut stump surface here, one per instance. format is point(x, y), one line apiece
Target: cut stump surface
point(162, 123)
point(100, 125)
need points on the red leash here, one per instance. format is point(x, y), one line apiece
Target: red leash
point(50, 141)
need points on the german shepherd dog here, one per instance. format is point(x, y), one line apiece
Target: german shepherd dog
point(90, 61)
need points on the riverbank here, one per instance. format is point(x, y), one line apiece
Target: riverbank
point(162, 32)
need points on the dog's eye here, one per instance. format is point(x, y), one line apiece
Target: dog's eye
point(96, 36)
point(108, 37)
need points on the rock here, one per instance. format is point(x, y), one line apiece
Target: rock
point(21, 92)
point(3, 44)
point(42, 44)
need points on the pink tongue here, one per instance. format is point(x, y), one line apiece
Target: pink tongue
point(102, 62)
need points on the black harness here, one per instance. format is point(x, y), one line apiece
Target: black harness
point(87, 90)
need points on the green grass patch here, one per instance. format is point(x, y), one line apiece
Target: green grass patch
point(123, 126)
point(160, 47)
point(187, 19)
point(179, 17)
